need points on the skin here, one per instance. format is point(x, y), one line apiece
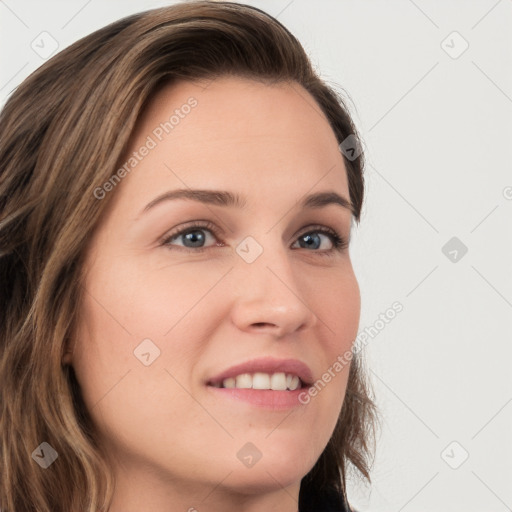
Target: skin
point(172, 443)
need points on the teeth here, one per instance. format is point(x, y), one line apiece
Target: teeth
point(275, 381)
point(229, 383)
point(261, 381)
point(278, 382)
point(293, 382)
point(244, 381)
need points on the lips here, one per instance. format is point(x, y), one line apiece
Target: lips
point(268, 365)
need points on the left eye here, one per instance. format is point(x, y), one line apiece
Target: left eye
point(313, 239)
point(193, 237)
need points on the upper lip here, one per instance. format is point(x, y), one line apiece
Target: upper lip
point(267, 365)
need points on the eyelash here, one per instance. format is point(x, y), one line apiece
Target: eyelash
point(339, 243)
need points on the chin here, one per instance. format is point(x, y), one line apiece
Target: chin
point(281, 464)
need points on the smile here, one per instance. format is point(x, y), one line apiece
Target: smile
point(276, 381)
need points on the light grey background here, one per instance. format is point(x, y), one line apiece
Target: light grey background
point(437, 127)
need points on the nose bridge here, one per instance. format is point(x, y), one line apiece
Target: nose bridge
point(269, 294)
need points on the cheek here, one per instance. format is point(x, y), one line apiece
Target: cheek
point(337, 303)
point(339, 309)
point(152, 299)
point(121, 309)
point(126, 304)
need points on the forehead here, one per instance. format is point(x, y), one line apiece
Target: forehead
point(233, 132)
point(237, 108)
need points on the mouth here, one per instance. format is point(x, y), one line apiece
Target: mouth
point(278, 381)
point(266, 383)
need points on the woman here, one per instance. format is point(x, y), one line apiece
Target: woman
point(178, 298)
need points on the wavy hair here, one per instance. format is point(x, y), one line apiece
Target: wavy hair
point(62, 133)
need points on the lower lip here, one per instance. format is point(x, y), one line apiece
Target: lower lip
point(265, 398)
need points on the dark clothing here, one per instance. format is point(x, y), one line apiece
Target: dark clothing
point(322, 501)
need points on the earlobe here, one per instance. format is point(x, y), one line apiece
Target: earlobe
point(66, 358)
point(67, 355)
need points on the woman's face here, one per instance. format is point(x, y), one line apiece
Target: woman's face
point(166, 314)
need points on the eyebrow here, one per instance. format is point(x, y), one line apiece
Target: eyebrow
point(230, 199)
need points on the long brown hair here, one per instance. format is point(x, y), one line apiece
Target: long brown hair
point(62, 133)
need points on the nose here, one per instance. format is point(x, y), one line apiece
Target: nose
point(270, 296)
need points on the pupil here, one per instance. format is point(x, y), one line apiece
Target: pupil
point(312, 240)
point(194, 238)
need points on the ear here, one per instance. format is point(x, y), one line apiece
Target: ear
point(67, 358)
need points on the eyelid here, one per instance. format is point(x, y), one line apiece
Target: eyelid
point(339, 241)
point(197, 224)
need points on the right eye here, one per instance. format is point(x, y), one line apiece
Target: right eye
point(193, 234)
